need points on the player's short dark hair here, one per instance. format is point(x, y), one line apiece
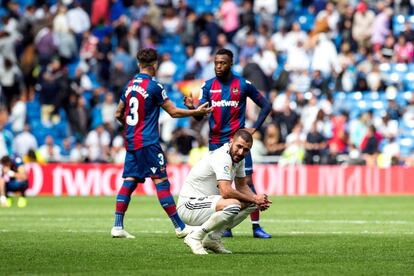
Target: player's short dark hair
point(6, 160)
point(245, 135)
point(147, 57)
point(224, 51)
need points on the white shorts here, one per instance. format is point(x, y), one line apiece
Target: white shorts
point(196, 211)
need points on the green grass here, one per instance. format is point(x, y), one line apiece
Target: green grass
point(311, 235)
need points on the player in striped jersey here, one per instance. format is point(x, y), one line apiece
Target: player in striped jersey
point(227, 95)
point(138, 110)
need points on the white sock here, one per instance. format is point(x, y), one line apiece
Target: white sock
point(3, 199)
point(217, 221)
point(242, 215)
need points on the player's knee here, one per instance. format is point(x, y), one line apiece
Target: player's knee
point(249, 208)
point(230, 211)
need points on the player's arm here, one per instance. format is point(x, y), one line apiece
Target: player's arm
point(243, 187)
point(119, 113)
point(227, 191)
point(176, 112)
point(262, 102)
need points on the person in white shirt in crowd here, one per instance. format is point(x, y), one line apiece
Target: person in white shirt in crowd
point(166, 70)
point(295, 35)
point(108, 108)
point(118, 151)
point(98, 141)
point(266, 59)
point(24, 142)
point(325, 56)
point(50, 152)
point(17, 116)
point(331, 15)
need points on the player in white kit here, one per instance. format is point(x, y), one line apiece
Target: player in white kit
point(208, 200)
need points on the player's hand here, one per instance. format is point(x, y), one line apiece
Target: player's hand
point(260, 199)
point(189, 102)
point(204, 109)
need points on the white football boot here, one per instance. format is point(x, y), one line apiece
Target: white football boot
point(183, 233)
point(195, 245)
point(120, 233)
point(215, 245)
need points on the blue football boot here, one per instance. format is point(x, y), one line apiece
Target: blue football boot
point(260, 233)
point(227, 234)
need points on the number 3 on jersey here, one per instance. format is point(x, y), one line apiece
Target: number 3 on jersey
point(132, 118)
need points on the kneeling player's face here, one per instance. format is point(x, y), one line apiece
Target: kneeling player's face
point(239, 149)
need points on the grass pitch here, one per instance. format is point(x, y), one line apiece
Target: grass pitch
point(311, 236)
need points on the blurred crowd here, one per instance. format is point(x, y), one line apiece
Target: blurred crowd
point(63, 65)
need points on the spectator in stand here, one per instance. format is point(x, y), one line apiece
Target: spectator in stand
point(387, 50)
point(394, 110)
point(370, 144)
point(273, 141)
point(403, 50)
point(266, 59)
point(189, 29)
point(104, 52)
point(408, 31)
point(314, 146)
point(249, 49)
point(246, 15)
point(294, 153)
point(170, 22)
point(325, 56)
point(108, 108)
point(49, 152)
point(18, 113)
point(138, 10)
point(346, 27)
point(229, 16)
point(380, 27)
point(98, 141)
point(78, 21)
point(24, 142)
point(100, 12)
point(166, 70)
point(10, 76)
point(118, 151)
point(362, 24)
point(202, 53)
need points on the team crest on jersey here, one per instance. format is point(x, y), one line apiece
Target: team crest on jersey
point(235, 90)
point(226, 169)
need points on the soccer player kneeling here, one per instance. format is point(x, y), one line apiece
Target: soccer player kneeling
point(209, 202)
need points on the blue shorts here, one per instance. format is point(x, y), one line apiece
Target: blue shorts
point(145, 162)
point(16, 186)
point(248, 162)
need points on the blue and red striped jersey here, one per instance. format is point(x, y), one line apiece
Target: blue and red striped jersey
point(228, 100)
point(142, 98)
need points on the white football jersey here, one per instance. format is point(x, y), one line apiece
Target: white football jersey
point(203, 177)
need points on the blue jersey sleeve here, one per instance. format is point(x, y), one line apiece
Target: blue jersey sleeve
point(160, 95)
point(262, 102)
point(204, 95)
